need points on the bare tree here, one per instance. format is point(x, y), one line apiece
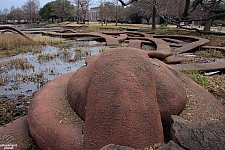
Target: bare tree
point(144, 9)
point(206, 10)
point(82, 10)
point(31, 8)
point(102, 11)
point(16, 14)
point(121, 13)
point(4, 14)
point(84, 5)
point(175, 11)
point(111, 11)
point(12, 8)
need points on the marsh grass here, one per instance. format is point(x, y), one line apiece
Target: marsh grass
point(24, 77)
point(145, 29)
point(14, 44)
point(102, 49)
point(124, 44)
point(12, 41)
point(66, 53)
point(21, 63)
point(80, 54)
point(47, 40)
point(46, 57)
point(4, 78)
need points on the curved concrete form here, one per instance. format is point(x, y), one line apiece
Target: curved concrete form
point(129, 33)
point(135, 43)
point(17, 30)
point(52, 122)
point(195, 42)
point(162, 48)
point(110, 41)
point(180, 42)
point(109, 90)
point(123, 98)
point(206, 67)
point(122, 37)
point(213, 47)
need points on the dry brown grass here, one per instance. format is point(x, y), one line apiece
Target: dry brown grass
point(13, 44)
point(215, 40)
point(12, 41)
point(47, 40)
point(209, 53)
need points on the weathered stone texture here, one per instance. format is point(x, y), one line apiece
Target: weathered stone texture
point(16, 132)
point(52, 122)
point(171, 146)
point(121, 102)
point(196, 136)
point(171, 96)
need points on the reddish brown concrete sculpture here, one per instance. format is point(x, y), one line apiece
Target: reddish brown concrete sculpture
point(53, 124)
point(16, 133)
point(122, 90)
point(197, 41)
point(121, 96)
point(116, 94)
point(171, 96)
point(17, 30)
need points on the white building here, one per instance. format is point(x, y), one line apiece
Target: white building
point(94, 14)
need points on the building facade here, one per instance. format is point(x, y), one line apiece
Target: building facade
point(94, 14)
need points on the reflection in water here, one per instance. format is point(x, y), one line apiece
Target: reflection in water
point(28, 72)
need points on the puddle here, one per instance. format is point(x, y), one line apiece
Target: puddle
point(188, 54)
point(28, 72)
point(211, 73)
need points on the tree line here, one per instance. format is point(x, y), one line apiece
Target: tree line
point(29, 11)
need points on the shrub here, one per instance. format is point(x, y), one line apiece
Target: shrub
point(198, 78)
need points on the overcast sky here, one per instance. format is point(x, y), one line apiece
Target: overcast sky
point(18, 3)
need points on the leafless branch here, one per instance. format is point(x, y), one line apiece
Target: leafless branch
point(128, 3)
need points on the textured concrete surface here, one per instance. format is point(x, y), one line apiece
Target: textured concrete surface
point(102, 90)
point(194, 42)
point(52, 122)
point(17, 134)
point(213, 66)
point(113, 86)
point(171, 95)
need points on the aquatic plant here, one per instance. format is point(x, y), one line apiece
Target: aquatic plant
point(21, 63)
